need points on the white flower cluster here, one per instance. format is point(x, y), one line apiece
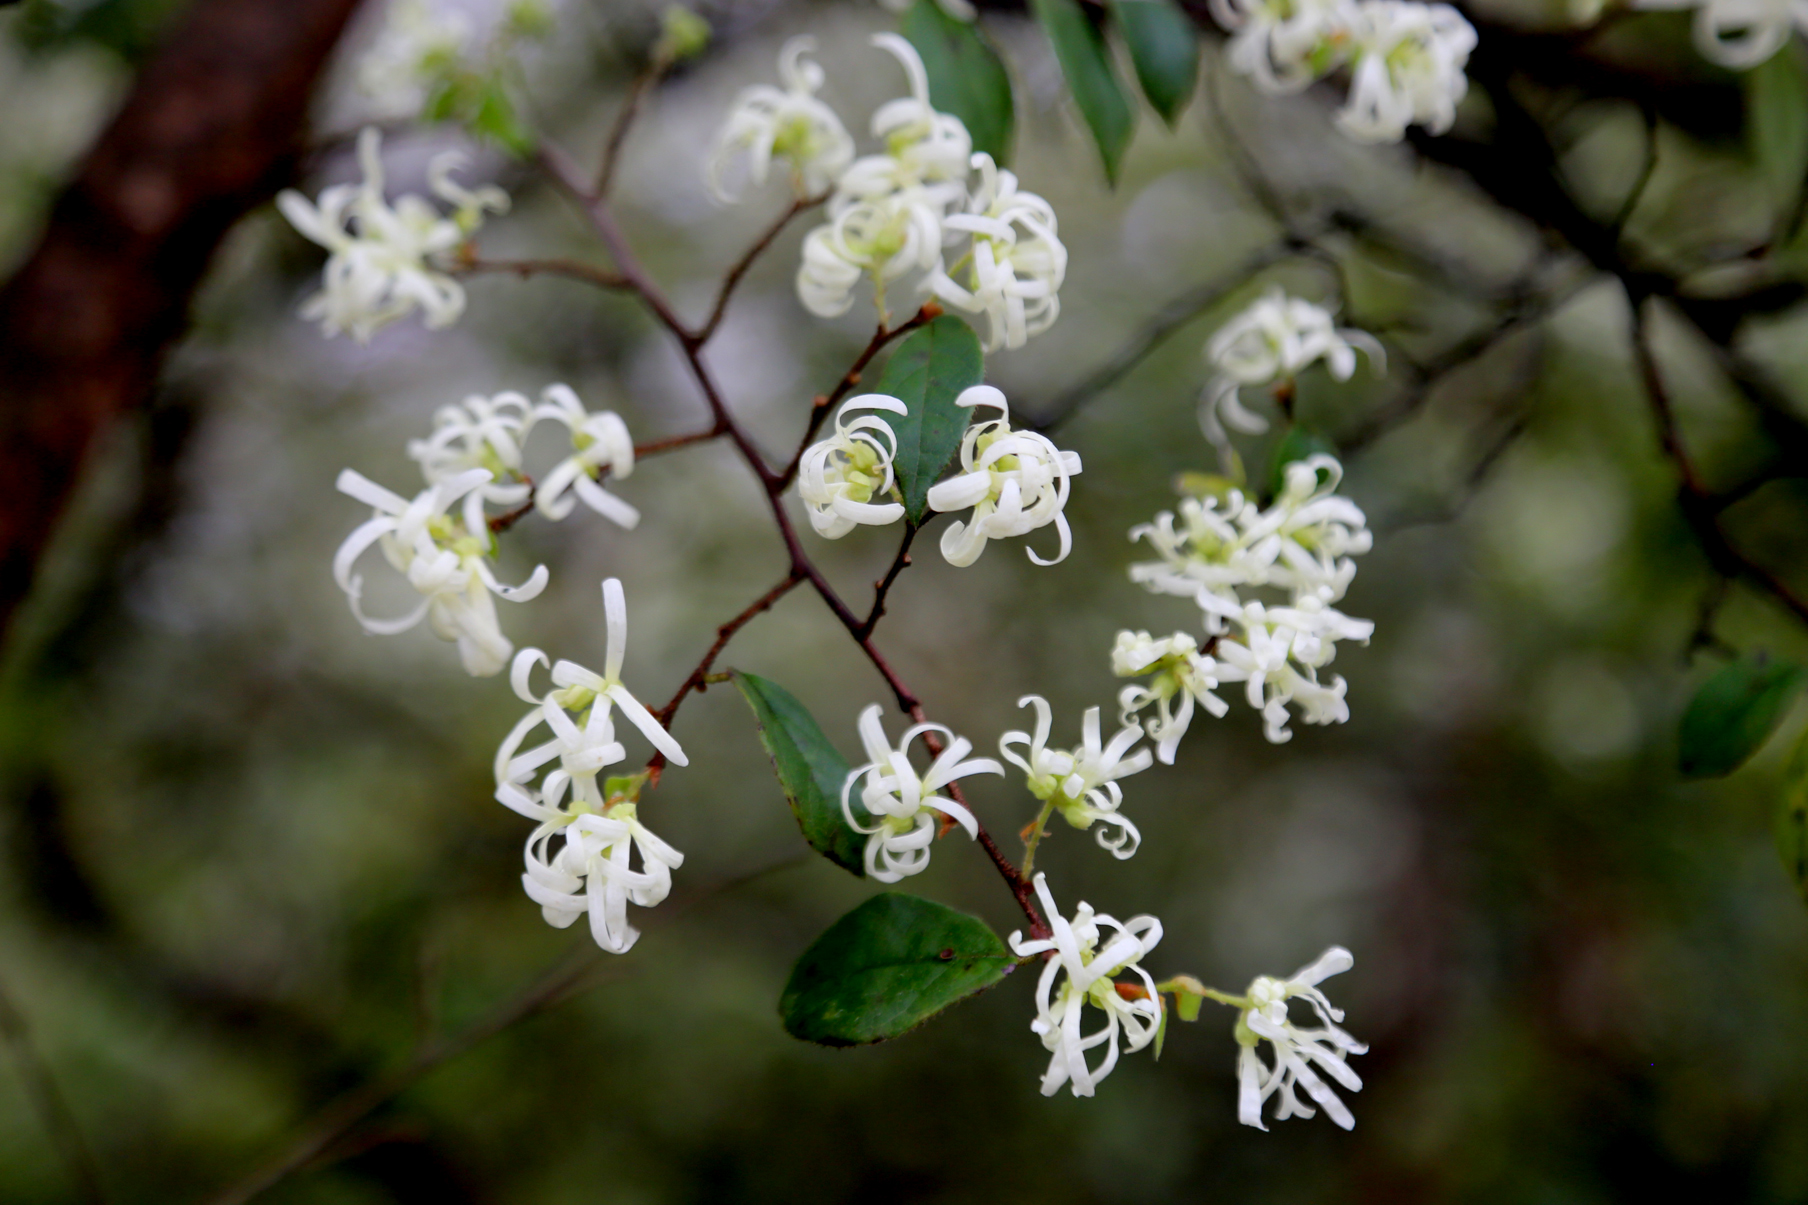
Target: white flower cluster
point(1218, 551)
point(1015, 482)
point(386, 260)
point(904, 209)
point(1405, 58)
point(474, 457)
point(1270, 343)
point(580, 857)
point(1081, 783)
point(1296, 1050)
point(1739, 34)
point(898, 802)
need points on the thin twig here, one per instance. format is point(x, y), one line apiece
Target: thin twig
point(772, 481)
point(698, 679)
point(602, 278)
point(671, 443)
point(825, 402)
point(733, 279)
point(624, 118)
point(1649, 169)
point(52, 1109)
point(882, 587)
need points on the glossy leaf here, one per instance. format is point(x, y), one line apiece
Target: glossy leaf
point(1776, 123)
point(927, 372)
point(1792, 819)
point(966, 77)
point(810, 770)
point(1733, 713)
point(885, 968)
point(1086, 62)
point(1164, 47)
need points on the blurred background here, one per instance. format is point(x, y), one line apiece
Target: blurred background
point(251, 857)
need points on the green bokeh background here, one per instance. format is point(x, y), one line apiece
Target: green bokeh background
point(251, 856)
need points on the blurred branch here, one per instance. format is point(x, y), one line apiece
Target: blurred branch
point(1693, 497)
point(571, 974)
point(644, 79)
point(524, 268)
point(1165, 321)
point(52, 1109)
point(209, 130)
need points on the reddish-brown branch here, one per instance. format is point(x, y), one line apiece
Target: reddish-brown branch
point(1699, 504)
point(825, 402)
point(733, 279)
point(698, 680)
point(602, 278)
point(618, 132)
point(882, 587)
point(507, 519)
point(774, 482)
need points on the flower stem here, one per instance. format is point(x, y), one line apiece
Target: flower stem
point(1035, 837)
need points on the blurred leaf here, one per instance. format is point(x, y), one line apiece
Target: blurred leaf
point(1299, 442)
point(1086, 62)
point(966, 77)
point(1165, 48)
point(1776, 123)
point(927, 372)
point(130, 28)
point(1733, 713)
point(1792, 818)
point(885, 968)
point(498, 120)
point(810, 770)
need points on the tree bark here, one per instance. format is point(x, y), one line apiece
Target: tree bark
point(210, 129)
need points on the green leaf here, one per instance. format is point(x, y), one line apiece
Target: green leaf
point(497, 120)
point(1165, 48)
point(1792, 818)
point(810, 771)
point(1733, 713)
point(1297, 443)
point(966, 77)
point(927, 372)
point(1776, 125)
point(885, 968)
point(1086, 62)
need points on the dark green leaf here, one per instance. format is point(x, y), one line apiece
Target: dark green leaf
point(1733, 713)
point(885, 968)
point(1776, 126)
point(1297, 443)
point(965, 75)
point(927, 372)
point(1086, 62)
point(1792, 818)
point(810, 771)
point(497, 120)
point(1165, 48)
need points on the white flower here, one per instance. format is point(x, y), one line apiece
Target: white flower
point(591, 871)
point(899, 802)
point(582, 751)
point(1013, 279)
point(383, 260)
point(1275, 339)
point(1081, 783)
point(441, 559)
point(1015, 481)
point(1087, 974)
point(838, 477)
point(1284, 45)
point(1314, 532)
point(600, 444)
point(1758, 28)
point(478, 433)
point(1296, 1050)
point(1179, 672)
point(768, 122)
point(885, 218)
point(1278, 653)
point(1408, 69)
point(884, 237)
point(419, 43)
